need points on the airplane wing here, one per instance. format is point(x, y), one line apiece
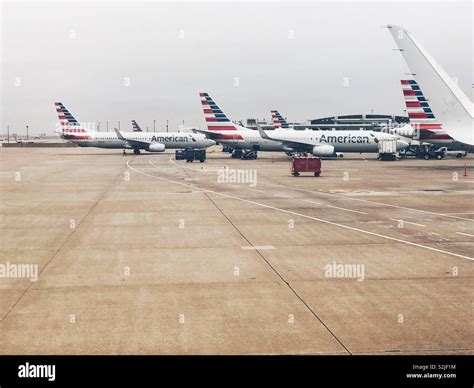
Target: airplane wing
point(204, 131)
point(449, 103)
point(291, 144)
point(217, 136)
point(134, 143)
point(184, 129)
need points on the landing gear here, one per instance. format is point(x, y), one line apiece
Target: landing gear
point(236, 154)
point(244, 154)
point(136, 151)
point(248, 155)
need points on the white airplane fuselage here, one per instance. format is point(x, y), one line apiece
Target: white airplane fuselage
point(171, 140)
point(342, 141)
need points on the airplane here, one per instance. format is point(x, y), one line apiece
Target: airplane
point(319, 143)
point(452, 107)
point(424, 126)
point(278, 120)
point(71, 130)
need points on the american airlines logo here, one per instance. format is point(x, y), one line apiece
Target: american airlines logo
point(172, 139)
point(344, 139)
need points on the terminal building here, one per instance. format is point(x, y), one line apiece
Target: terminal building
point(346, 122)
point(368, 121)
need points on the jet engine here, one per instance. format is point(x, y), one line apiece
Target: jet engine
point(323, 150)
point(157, 147)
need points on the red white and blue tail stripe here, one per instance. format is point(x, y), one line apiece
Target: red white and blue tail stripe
point(65, 117)
point(69, 127)
point(278, 120)
point(136, 127)
point(216, 120)
point(419, 112)
point(417, 105)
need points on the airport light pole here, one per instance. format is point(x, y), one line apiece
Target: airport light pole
point(107, 126)
point(154, 128)
point(27, 137)
point(166, 125)
point(8, 133)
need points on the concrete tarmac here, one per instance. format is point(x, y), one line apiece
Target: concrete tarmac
point(148, 255)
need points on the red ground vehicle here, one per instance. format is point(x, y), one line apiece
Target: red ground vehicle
point(305, 164)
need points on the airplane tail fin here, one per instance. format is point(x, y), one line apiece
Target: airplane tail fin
point(136, 127)
point(422, 119)
point(452, 107)
point(278, 120)
point(216, 120)
point(67, 124)
point(418, 108)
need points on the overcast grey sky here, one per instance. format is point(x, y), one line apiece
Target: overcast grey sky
point(287, 56)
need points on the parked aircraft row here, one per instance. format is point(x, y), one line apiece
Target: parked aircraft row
point(453, 130)
point(221, 130)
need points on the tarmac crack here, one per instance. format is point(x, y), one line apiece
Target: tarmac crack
point(62, 245)
point(286, 282)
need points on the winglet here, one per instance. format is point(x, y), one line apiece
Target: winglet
point(262, 133)
point(449, 103)
point(119, 134)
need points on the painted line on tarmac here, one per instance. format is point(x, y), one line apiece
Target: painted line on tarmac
point(407, 222)
point(307, 200)
point(349, 210)
point(466, 234)
point(282, 196)
point(258, 247)
point(450, 215)
point(367, 201)
point(304, 215)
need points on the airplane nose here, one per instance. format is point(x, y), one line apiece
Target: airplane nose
point(401, 145)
